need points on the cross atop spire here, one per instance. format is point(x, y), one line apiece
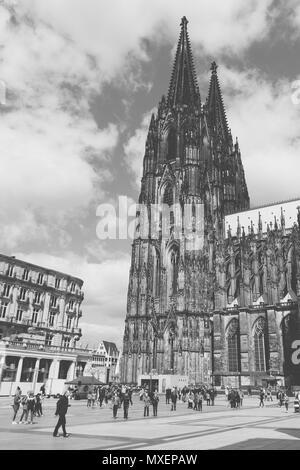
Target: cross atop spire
point(215, 107)
point(183, 88)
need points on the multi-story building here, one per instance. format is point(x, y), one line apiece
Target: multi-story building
point(39, 315)
point(107, 359)
point(214, 286)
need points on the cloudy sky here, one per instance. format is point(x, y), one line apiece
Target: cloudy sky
point(78, 82)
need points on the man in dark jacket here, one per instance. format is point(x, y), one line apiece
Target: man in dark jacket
point(126, 401)
point(61, 411)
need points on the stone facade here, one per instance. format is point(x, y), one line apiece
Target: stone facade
point(207, 300)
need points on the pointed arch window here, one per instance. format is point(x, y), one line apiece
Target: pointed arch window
point(171, 144)
point(156, 273)
point(233, 346)
point(260, 345)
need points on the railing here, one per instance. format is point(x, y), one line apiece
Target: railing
point(42, 347)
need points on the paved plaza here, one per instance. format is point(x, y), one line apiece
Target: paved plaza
point(217, 427)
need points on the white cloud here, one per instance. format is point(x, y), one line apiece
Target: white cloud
point(134, 149)
point(261, 113)
point(48, 134)
point(110, 30)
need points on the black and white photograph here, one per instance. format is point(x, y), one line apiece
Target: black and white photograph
point(149, 228)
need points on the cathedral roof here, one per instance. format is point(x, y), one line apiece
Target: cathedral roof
point(183, 88)
point(278, 215)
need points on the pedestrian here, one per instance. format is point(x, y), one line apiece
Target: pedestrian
point(155, 400)
point(190, 400)
point(286, 402)
point(93, 398)
point(261, 397)
point(38, 405)
point(43, 390)
point(101, 396)
point(24, 415)
point(173, 399)
point(147, 402)
point(126, 402)
point(130, 396)
point(16, 404)
point(89, 399)
point(241, 393)
point(116, 402)
point(30, 407)
point(168, 396)
point(61, 411)
point(207, 398)
point(200, 402)
point(196, 400)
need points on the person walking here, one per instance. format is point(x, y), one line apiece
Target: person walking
point(126, 401)
point(200, 402)
point(61, 411)
point(168, 396)
point(24, 415)
point(155, 400)
point(30, 407)
point(173, 399)
point(16, 404)
point(241, 393)
point(147, 402)
point(190, 400)
point(38, 405)
point(261, 397)
point(116, 402)
point(286, 402)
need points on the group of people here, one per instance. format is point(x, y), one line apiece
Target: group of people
point(193, 396)
point(30, 405)
point(234, 397)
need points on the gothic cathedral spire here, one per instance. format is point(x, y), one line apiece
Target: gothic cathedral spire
point(183, 88)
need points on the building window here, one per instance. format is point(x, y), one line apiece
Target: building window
point(48, 339)
point(66, 342)
point(72, 286)
point(6, 290)
point(57, 283)
point(19, 314)
point(22, 294)
point(259, 345)
point(37, 298)
point(40, 278)
point(53, 301)
point(10, 271)
point(25, 274)
point(71, 305)
point(233, 346)
point(69, 322)
point(51, 318)
point(3, 309)
point(35, 315)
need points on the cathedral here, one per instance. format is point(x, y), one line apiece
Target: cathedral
point(214, 296)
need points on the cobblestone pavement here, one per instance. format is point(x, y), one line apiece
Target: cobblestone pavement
point(217, 427)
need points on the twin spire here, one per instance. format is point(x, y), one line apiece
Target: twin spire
point(184, 90)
